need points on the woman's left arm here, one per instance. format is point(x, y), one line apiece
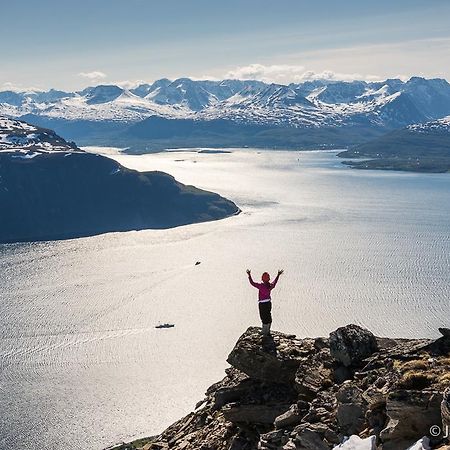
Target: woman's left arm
point(274, 283)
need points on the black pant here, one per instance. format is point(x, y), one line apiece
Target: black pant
point(264, 312)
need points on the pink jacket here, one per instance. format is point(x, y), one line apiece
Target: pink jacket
point(263, 288)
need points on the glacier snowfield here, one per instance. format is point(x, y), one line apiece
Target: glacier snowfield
point(83, 367)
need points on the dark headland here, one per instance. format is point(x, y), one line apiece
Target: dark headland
point(416, 148)
point(284, 393)
point(51, 189)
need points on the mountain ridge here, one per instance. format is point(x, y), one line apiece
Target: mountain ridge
point(379, 107)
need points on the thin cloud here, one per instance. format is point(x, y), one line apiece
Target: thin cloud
point(130, 84)
point(8, 86)
point(93, 76)
point(287, 73)
point(387, 60)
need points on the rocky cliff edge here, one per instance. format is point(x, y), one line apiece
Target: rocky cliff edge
point(352, 390)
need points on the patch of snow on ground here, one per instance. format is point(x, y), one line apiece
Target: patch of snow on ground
point(356, 443)
point(27, 155)
point(421, 444)
point(440, 124)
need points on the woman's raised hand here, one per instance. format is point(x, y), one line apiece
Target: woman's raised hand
point(280, 271)
point(248, 271)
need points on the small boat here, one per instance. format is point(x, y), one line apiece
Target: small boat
point(165, 325)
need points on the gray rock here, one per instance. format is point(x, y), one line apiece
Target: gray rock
point(308, 439)
point(445, 332)
point(351, 418)
point(351, 344)
point(275, 359)
point(273, 440)
point(291, 417)
point(352, 408)
point(314, 373)
point(262, 414)
point(411, 414)
point(229, 395)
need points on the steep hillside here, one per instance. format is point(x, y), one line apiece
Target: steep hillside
point(420, 147)
point(50, 189)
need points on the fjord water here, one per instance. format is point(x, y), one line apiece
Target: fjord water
point(82, 365)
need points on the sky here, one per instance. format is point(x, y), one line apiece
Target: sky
point(69, 45)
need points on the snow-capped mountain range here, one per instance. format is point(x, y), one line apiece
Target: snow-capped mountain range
point(391, 103)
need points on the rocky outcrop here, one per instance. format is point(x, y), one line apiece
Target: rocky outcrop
point(352, 344)
point(284, 393)
point(411, 415)
point(277, 359)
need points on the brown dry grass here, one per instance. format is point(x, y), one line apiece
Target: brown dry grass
point(416, 380)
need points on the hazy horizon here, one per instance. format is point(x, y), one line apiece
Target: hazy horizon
point(129, 85)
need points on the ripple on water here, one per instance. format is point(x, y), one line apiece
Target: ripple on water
point(81, 364)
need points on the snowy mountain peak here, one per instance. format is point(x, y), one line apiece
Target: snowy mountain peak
point(392, 103)
point(27, 141)
point(101, 94)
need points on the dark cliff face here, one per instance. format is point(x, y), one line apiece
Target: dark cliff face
point(66, 195)
point(284, 393)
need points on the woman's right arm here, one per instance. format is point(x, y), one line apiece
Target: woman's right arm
point(250, 279)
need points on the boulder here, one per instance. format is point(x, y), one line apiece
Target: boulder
point(376, 413)
point(411, 414)
point(352, 408)
point(292, 416)
point(351, 344)
point(441, 346)
point(274, 439)
point(309, 439)
point(229, 394)
point(445, 332)
point(274, 359)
